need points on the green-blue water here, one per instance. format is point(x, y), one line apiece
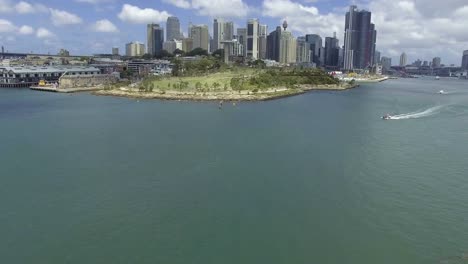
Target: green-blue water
point(316, 178)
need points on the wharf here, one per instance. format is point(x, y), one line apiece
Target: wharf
point(64, 90)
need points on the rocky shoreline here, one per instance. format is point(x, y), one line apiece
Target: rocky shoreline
point(262, 95)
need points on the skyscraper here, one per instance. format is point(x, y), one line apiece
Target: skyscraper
point(262, 41)
point(218, 34)
point(273, 45)
point(302, 50)
point(332, 51)
point(288, 48)
point(155, 37)
point(377, 57)
point(360, 40)
point(252, 39)
point(403, 60)
point(173, 28)
point(115, 51)
point(242, 38)
point(436, 62)
point(315, 42)
point(386, 63)
point(200, 36)
point(229, 30)
point(464, 64)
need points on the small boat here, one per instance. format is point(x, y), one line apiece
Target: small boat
point(441, 92)
point(387, 117)
point(437, 78)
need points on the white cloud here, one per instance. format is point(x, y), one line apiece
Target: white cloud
point(104, 25)
point(28, 8)
point(26, 30)
point(60, 17)
point(136, 15)
point(179, 3)
point(221, 8)
point(5, 6)
point(6, 26)
point(44, 33)
point(94, 2)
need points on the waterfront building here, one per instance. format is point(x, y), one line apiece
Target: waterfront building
point(425, 64)
point(386, 63)
point(315, 42)
point(134, 49)
point(252, 39)
point(377, 57)
point(25, 76)
point(242, 38)
point(436, 62)
point(332, 51)
point(237, 48)
point(403, 60)
point(155, 38)
point(273, 44)
point(302, 51)
point(173, 28)
point(64, 53)
point(360, 40)
point(187, 44)
point(115, 51)
point(288, 46)
point(200, 36)
point(464, 64)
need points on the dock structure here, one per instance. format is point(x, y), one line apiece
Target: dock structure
point(65, 90)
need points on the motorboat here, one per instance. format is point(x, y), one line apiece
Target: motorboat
point(387, 117)
point(441, 92)
point(437, 78)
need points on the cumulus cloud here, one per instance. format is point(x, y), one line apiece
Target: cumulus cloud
point(179, 3)
point(6, 26)
point(137, 15)
point(60, 17)
point(94, 2)
point(105, 26)
point(5, 6)
point(26, 30)
point(44, 33)
point(221, 8)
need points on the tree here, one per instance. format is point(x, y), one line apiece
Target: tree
point(147, 56)
point(219, 53)
point(198, 85)
point(197, 52)
point(179, 52)
point(163, 54)
point(176, 67)
point(216, 85)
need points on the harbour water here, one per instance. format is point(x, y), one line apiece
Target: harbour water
point(316, 178)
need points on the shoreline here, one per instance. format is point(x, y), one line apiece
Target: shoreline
point(266, 95)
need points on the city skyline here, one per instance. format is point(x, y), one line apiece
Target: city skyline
point(94, 26)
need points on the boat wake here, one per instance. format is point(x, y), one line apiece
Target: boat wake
point(428, 112)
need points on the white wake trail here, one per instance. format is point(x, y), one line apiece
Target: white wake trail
point(427, 112)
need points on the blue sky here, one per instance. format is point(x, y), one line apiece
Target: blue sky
point(422, 28)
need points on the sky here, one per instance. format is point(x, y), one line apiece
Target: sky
point(423, 29)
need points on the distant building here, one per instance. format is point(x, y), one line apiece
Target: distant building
point(436, 62)
point(242, 38)
point(302, 50)
point(228, 30)
point(377, 57)
point(115, 51)
point(134, 49)
point(155, 37)
point(218, 34)
point(173, 28)
point(273, 44)
point(252, 39)
point(425, 64)
point(262, 41)
point(464, 64)
point(172, 45)
point(360, 40)
point(315, 42)
point(417, 63)
point(386, 63)
point(200, 36)
point(187, 44)
point(288, 48)
point(332, 52)
point(403, 60)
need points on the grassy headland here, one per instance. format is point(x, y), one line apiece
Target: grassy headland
point(208, 79)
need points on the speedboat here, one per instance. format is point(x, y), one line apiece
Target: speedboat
point(441, 92)
point(387, 117)
point(437, 78)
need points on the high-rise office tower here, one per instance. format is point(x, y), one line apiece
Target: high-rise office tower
point(465, 60)
point(200, 36)
point(262, 41)
point(386, 63)
point(134, 49)
point(115, 51)
point(288, 48)
point(273, 44)
point(252, 39)
point(360, 40)
point(228, 30)
point(155, 37)
point(242, 38)
point(173, 28)
point(332, 51)
point(377, 57)
point(218, 34)
point(403, 60)
point(302, 50)
point(436, 62)
point(315, 42)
